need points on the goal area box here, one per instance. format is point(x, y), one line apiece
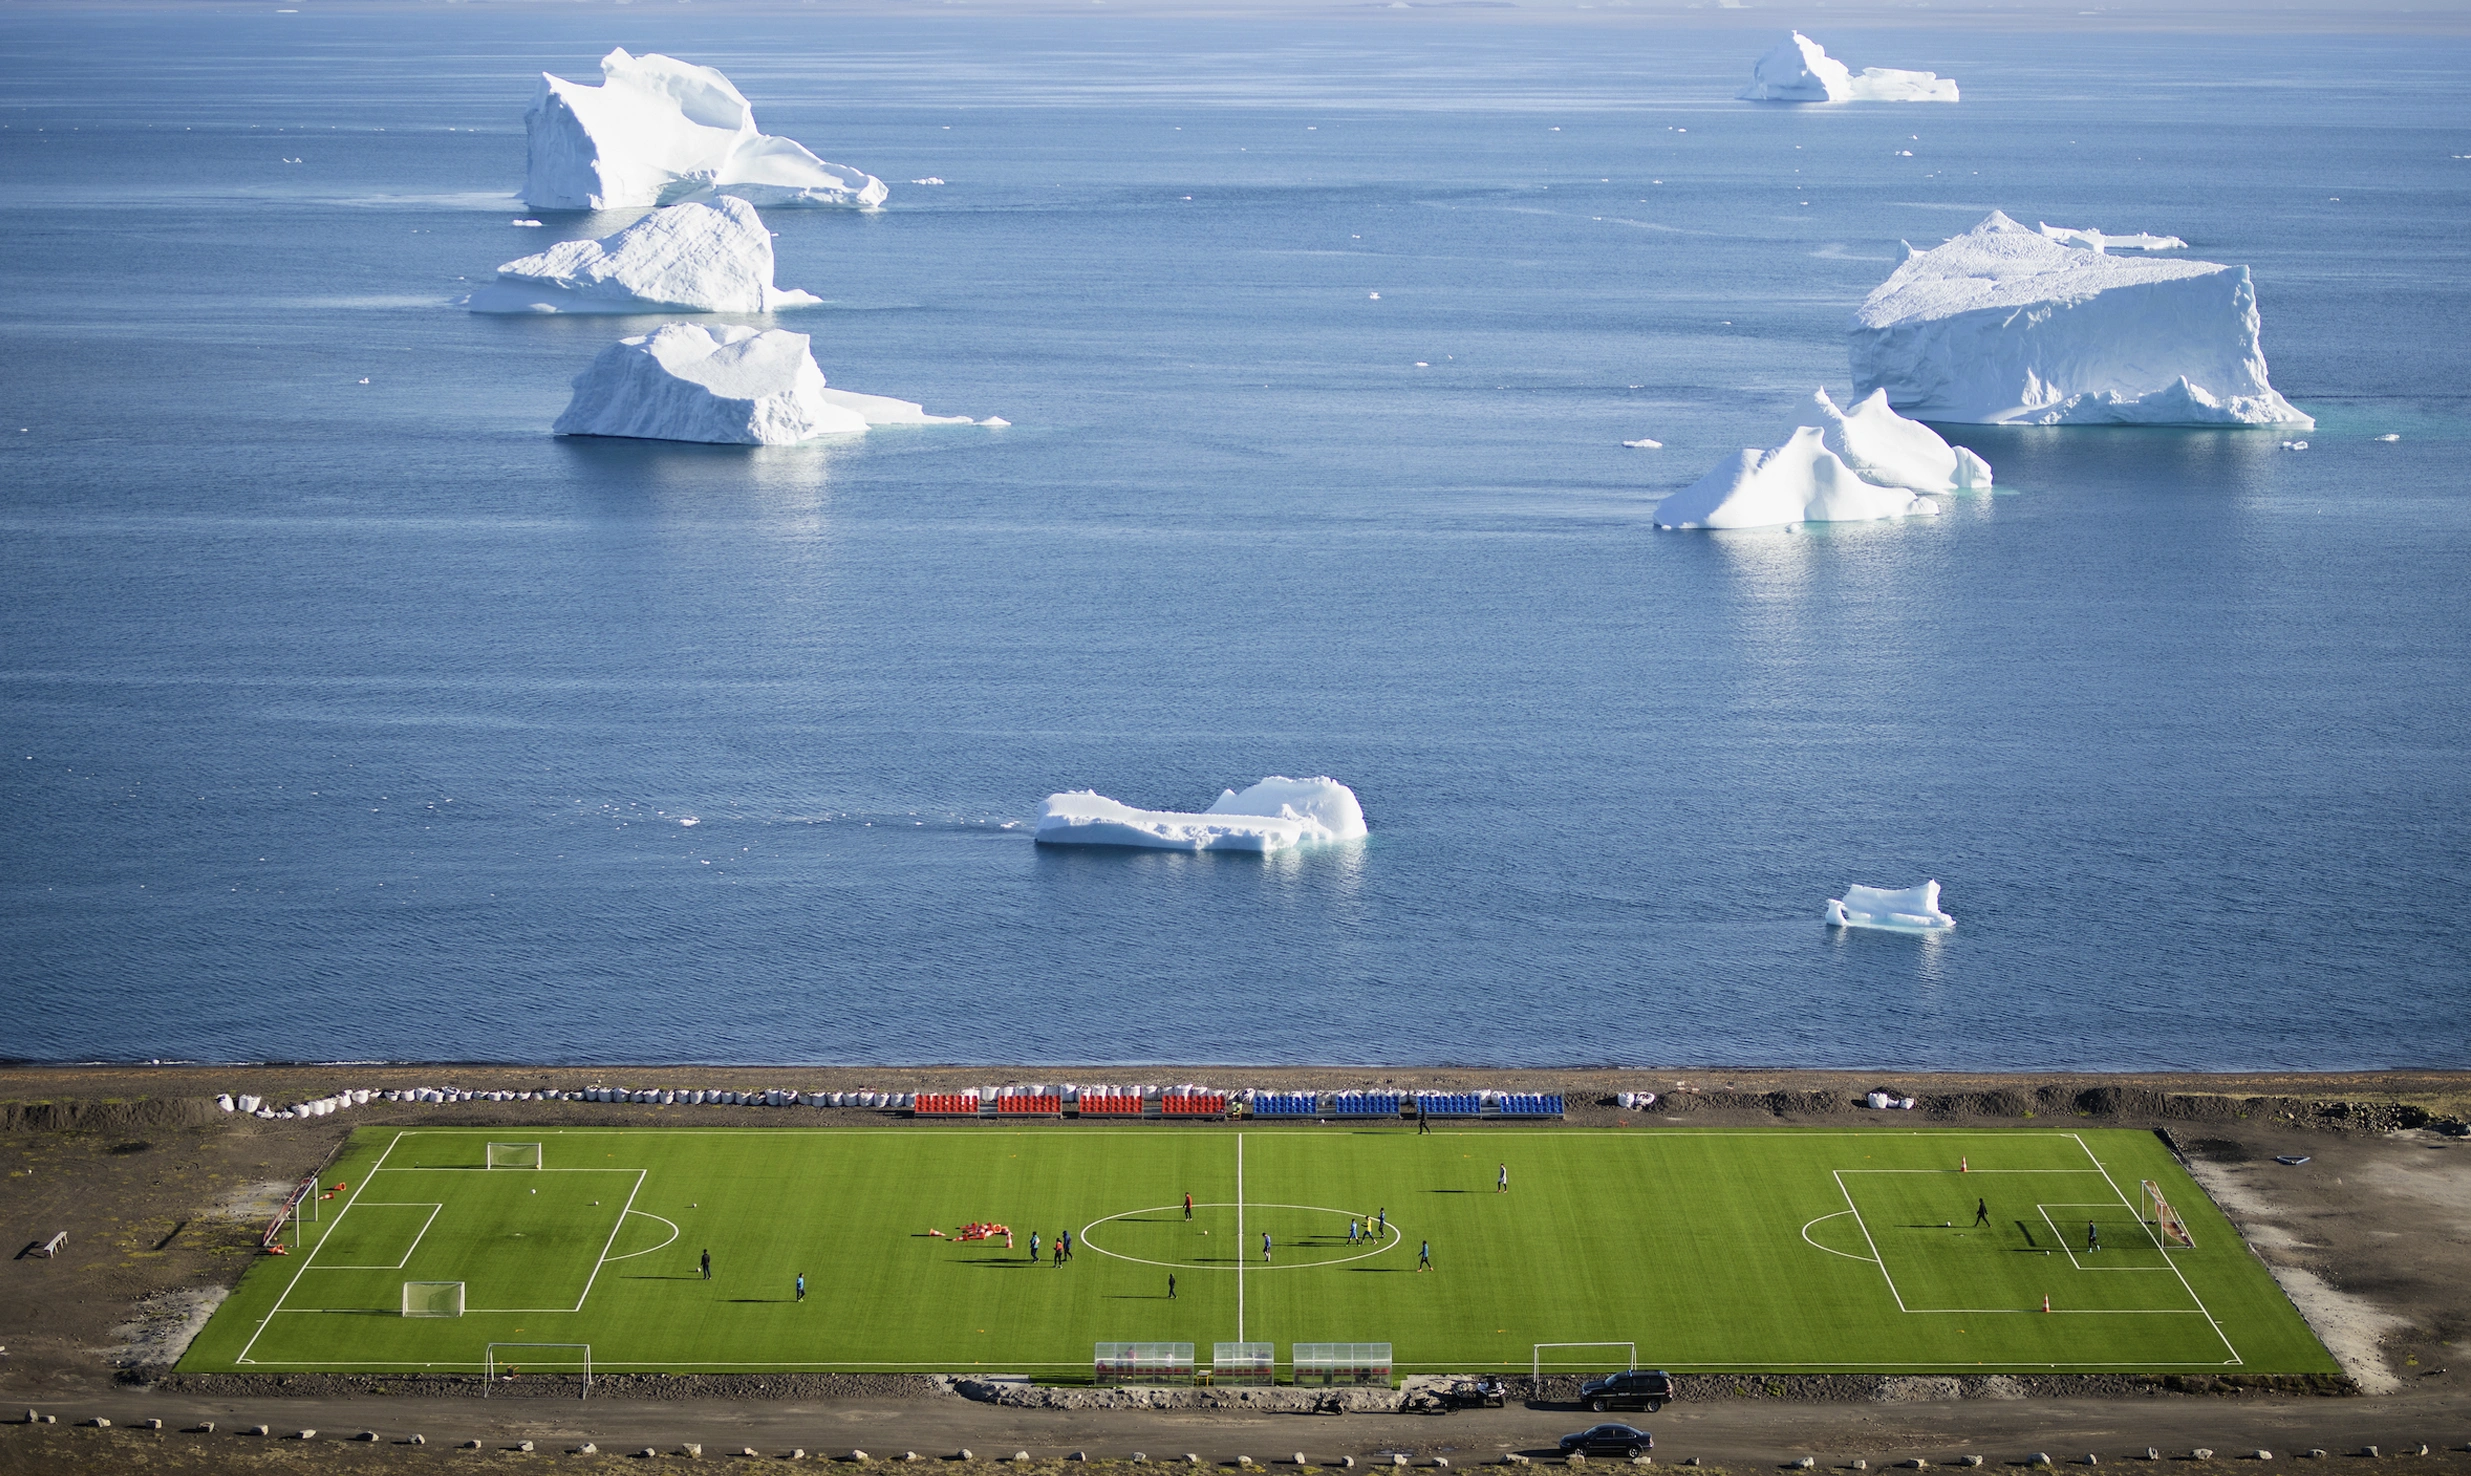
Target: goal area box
point(433, 1299)
point(1342, 1363)
point(512, 1155)
point(1142, 1363)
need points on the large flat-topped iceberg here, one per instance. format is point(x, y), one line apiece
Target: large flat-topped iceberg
point(1908, 910)
point(1799, 71)
point(658, 130)
point(2005, 326)
point(714, 258)
point(1857, 465)
point(731, 385)
point(1277, 814)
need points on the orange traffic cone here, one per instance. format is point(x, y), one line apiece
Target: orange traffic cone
point(2046, 1302)
point(1963, 1167)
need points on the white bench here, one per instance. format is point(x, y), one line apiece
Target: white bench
point(52, 1246)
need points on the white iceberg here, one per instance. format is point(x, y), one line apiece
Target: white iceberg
point(658, 130)
point(2005, 326)
point(1801, 481)
point(1887, 450)
point(2103, 241)
point(1912, 910)
point(694, 258)
point(1799, 71)
point(1277, 814)
point(738, 386)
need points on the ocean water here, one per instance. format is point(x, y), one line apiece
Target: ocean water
point(349, 714)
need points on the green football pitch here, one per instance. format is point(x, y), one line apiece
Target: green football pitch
point(1776, 1250)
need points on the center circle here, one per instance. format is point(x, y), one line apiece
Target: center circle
point(1396, 1238)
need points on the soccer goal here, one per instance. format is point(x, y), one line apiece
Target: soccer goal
point(514, 1155)
point(433, 1299)
point(496, 1366)
point(2166, 1220)
point(1630, 1356)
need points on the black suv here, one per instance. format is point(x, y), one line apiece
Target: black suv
point(1639, 1388)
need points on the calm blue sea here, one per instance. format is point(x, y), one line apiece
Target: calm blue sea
point(348, 714)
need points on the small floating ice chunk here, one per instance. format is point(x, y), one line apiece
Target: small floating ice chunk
point(2099, 241)
point(1644, 444)
point(1801, 481)
point(997, 421)
point(2005, 326)
point(2389, 436)
point(714, 258)
point(532, 223)
point(658, 130)
point(929, 180)
point(1911, 910)
point(2295, 445)
point(1277, 814)
point(1799, 71)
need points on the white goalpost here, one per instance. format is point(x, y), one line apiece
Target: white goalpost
point(1630, 1356)
point(491, 1363)
point(2168, 1226)
point(514, 1155)
point(433, 1299)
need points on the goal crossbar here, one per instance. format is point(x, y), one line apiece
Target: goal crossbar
point(490, 1361)
point(512, 1156)
point(1630, 1355)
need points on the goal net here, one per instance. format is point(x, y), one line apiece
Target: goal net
point(433, 1299)
point(514, 1155)
point(501, 1362)
point(2166, 1221)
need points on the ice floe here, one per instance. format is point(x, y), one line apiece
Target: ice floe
point(1800, 71)
point(2103, 241)
point(2005, 325)
point(1801, 481)
point(729, 385)
point(658, 130)
point(1910, 910)
point(1857, 465)
point(1277, 814)
point(697, 258)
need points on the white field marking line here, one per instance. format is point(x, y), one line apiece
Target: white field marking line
point(2062, 1237)
point(1459, 1366)
point(1989, 1311)
point(407, 1250)
point(1831, 1250)
point(545, 1311)
point(2126, 1204)
point(1855, 1210)
point(1241, 1247)
point(640, 1175)
point(268, 1320)
point(649, 1249)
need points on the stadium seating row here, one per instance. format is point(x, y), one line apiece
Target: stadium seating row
point(1028, 1106)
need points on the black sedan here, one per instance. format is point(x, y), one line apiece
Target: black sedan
point(1609, 1440)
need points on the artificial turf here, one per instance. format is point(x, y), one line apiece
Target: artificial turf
point(1774, 1249)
